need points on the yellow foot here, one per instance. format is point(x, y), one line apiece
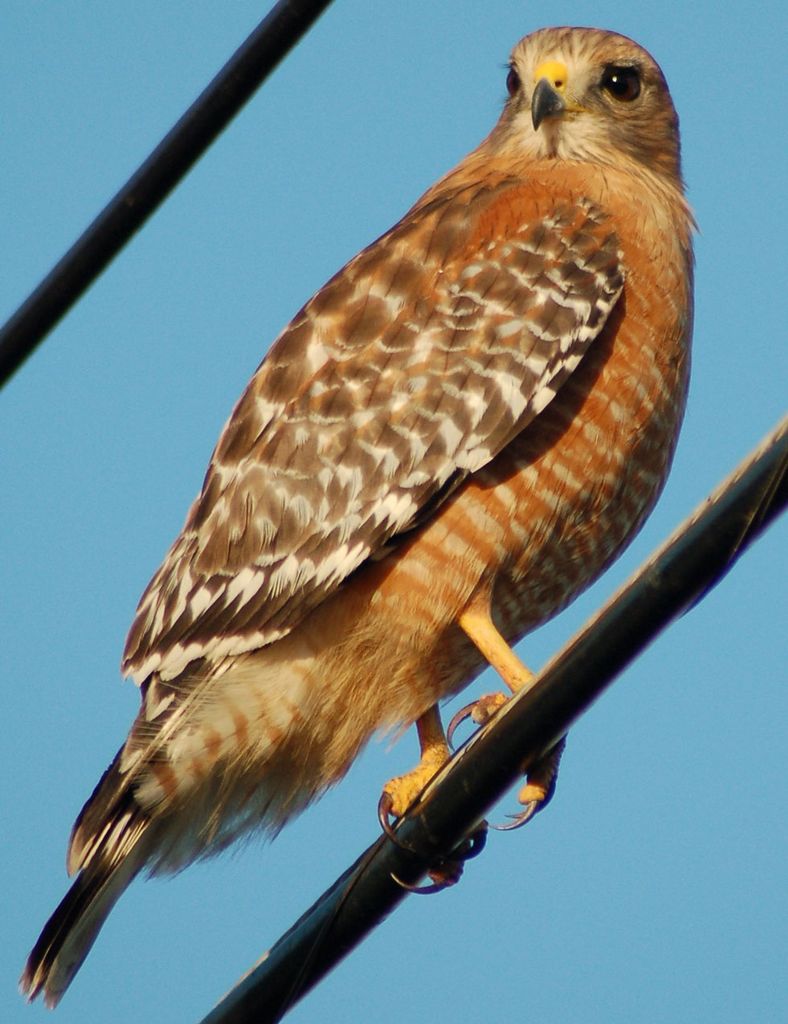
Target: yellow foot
point(400, 792)
point(539, 787)
point(541, 779)
point(479, 711)
point(476, 621)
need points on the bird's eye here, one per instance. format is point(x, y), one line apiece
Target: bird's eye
point(512, 82)
point(623, 83)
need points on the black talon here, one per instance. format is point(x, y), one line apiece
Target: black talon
point(427, 890)
point(522, 818)
point(547, 773)
point(481, 711)
point(444, 873)
point(458, 719)
point(447, 871)
point(384, 816)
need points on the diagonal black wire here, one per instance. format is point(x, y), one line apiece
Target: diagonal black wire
point(684, 569)
point(184, 144)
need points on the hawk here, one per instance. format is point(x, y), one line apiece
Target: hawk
point(449, 441)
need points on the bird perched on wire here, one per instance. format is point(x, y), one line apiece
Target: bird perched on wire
point(449, 441)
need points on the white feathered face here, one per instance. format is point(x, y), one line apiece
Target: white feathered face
point(588, 95)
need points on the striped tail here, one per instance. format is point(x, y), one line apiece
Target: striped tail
point(108, 860)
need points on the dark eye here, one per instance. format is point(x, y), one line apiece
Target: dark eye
point(621, 82)
point(512, 82)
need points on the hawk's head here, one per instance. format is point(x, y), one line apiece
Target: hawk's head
point(586, 94)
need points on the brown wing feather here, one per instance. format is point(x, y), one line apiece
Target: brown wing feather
point(410, 369)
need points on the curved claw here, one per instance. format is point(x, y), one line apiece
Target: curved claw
point(447, 871)
point(457, 720)
point(425, 890)
point(520, 819)
point(481, 711)
point(385, 815)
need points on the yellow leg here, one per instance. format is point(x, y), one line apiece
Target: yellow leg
point(479, 627)
point(400, 792)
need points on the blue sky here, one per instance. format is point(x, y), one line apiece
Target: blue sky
point(654, 887)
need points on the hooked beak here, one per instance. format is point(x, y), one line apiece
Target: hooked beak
point(545, 102)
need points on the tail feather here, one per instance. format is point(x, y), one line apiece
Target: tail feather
point(71, 931)
point(107, 850)
point(110, 807)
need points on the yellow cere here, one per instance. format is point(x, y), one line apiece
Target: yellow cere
point(555, 72)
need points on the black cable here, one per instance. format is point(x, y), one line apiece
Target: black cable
point(184, 144)
point(685, 568)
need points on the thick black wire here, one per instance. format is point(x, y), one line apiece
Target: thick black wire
point(685, 568)
point(210, 113)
